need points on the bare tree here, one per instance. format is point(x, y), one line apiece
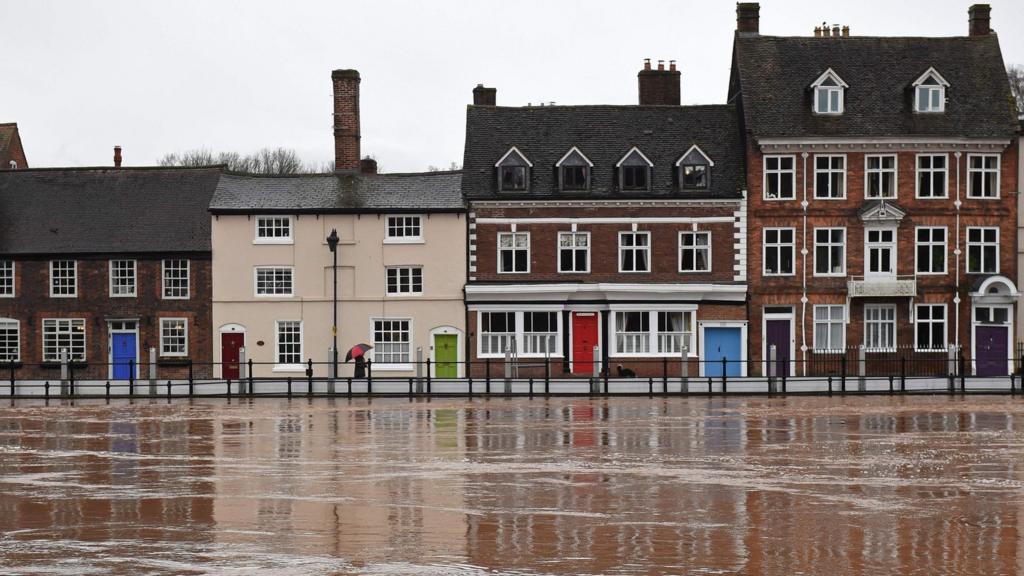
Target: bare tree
point(264, 161)
point(1016, 74)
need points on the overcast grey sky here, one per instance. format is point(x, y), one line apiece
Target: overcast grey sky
point(156, 77)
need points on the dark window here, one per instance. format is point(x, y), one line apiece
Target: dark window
point(634, 177)
point(513, 177)
point(695, 176)
point(574, 177)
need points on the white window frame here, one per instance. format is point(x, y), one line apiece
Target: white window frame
point(981, 245)
point(163, 338)
point(68, 324)
point(273, 224)
point(635, 249)
point(828, 323)
point(392, 366)
point(695, 248)
point(828, 245)
point(256, 281)
point(940, 86)
point(839, 88)
point(652, 335)
point(931, 243)
point(526, 337)
point(404, 221)
point(164, 278)
point(830, 171)
point(777, 174)
point(113, 268)
point(8, 277)
point(892, 246)
point(74, 279)
point(918, 321)
point(880, 173)
point(574, 249)
point(513, 249)
point(779, 245)
point(280, 366)
point(509, 337)
point(930, 171)
point(881, 323)
point(971, 171)
point(9, 324)
point(411, 271)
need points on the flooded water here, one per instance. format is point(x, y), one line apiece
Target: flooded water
point(856, 485)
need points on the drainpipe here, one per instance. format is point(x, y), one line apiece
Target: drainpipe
point(956, 253)
point(803, 253)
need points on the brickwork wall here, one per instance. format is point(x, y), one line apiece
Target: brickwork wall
point(32, 303)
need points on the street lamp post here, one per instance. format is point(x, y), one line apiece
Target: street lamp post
point(332, 243)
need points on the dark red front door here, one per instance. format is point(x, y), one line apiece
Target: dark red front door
point(991, 355)
point(584, 338)
point(777, 334)
point(229, 345)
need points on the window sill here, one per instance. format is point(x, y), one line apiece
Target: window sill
point(695, 271)
point(8, 365)
point(265, 241)
point(289, 368)
point(391, 367)
point(770, 199)
point(173, 361)
point(650, 355)
point(404, 241)
point(56, 365)
point(406, 295)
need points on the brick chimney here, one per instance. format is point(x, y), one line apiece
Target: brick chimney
point(346, 120)
point(659, 87)
point(980, 19)
point(117, 156)
point(483, 96)
point(748, 18)
point(367, 166)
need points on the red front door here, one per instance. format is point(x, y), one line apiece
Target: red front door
point(229, 344)
point(584, 338)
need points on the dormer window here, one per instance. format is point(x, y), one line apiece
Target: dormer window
point(574, 171)
point(829, 92)
point(695, 169)
point(634, 171)
point(513, 171)
point(930, 92)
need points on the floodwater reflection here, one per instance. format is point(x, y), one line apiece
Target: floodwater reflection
point(909, 485)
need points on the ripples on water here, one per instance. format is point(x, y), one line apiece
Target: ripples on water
point(869, 485)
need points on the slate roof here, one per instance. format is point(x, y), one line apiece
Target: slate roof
point(774, 74)
point(339, 193)
point(106, 210)
point(604, 134)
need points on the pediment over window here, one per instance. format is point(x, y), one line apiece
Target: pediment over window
point(932, 77)
point(574, 158)
point(695, 156)
point(634, 158)
point(513, 158)
point(880, 211)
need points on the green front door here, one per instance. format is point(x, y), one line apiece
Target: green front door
point(446, 356)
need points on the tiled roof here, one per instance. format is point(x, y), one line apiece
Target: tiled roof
point(775, 73)
point(105, 210)
point(342, 192)
point(604, 134)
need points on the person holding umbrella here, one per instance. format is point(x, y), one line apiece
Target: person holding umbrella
point(359, 353)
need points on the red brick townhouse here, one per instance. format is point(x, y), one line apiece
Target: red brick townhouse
point(883, 178)
point(607, 235)
point(105, 263)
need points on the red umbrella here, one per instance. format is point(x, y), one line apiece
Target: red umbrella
point(357, 351)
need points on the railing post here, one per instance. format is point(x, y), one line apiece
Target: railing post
point(684, 369)
point(963, 371)
point(168, 389)
point(830, 385)
point(709, 385)
point(547, 375)
point(773, 366)
point(419, 370)
point(725, 368)
point(228, 381)
point(903, 373)
point(369, 377)
point(531, 387)
point(508, 370)
point(46, 390)
point(664, 372)
point(106, 392)
point(191, 380)
point(410, 387)
point(131, 377)
point(890, 384)
point(862, 369)
point(469, 385)
point(242, 366)
point(252, 389)
point(429, 379)
point(289, 386)
point(951, 366)
point(842, 373)
point(309, 377)
point(487, 376)
point(12, 379)
point(650, 387)
point(152, 370)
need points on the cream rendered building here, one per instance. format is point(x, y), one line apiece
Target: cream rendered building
point(401, 271)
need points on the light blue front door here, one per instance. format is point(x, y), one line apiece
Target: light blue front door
point(723, 343)
point(123, 354)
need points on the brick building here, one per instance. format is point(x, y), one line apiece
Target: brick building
point(883, 179)
point(12, 154)
point(606, 235)
point(106, 263)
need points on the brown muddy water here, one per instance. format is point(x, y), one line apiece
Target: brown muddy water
point(812, 485)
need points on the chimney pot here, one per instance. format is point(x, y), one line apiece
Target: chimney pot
point(661, 64)
point(748, 18)
point(346, 119)
point(647, 63)
point(483, 96)
point(835, 30)
point(117, 156)
point(979, 17)
point(367, 166)
point(846, 31)
point(817, 32)
point(672, 65)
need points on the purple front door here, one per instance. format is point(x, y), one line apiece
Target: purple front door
point(777, 334)
point(991, 356)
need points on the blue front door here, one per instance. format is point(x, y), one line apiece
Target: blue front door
point(123, 354)
point(723, 343)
